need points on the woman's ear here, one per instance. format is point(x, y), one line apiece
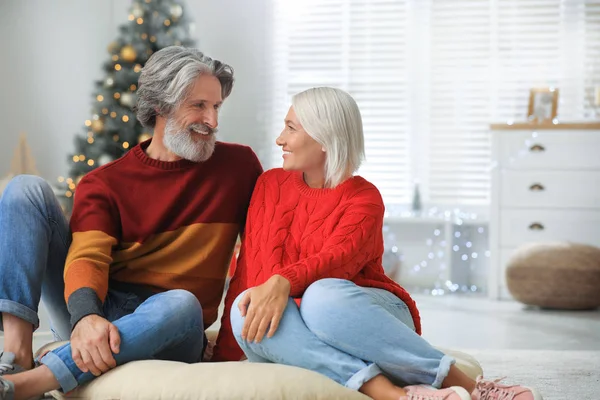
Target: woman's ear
point(323, 149)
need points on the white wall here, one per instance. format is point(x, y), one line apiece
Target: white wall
point(51, 54)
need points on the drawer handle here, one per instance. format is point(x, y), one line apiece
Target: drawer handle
point(536, 226)
point(537, 148)
point(537, 187)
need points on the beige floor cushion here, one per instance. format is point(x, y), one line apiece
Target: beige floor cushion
point(214, 381)
point(555, 275)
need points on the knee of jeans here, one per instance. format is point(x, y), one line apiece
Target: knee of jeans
point(237, 321)
point(22, 188)
point(182, 305)
point(323, 297)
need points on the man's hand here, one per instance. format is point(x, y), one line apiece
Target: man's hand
point(263, 307)
point(93, 342)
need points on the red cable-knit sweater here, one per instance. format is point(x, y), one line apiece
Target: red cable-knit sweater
point(307, 234)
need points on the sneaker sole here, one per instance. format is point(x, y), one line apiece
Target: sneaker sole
point(462, 392)
point(536, 394)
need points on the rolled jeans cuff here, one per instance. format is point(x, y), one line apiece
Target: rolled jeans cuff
point(363, 376)
point(60, 371)
point(445, 363)
point(19, 311)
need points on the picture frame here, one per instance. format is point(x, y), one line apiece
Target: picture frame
point(543, 104)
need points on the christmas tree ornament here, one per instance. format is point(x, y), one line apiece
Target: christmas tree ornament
point(104, 159)
point(137, 10)
point(176, 11)
point(113, 47)
point(97, 125)
point(128, 100)
point(143, 137)
point(128, 53)
point(109, 82)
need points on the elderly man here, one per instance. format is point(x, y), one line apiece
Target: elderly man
point(147, 251)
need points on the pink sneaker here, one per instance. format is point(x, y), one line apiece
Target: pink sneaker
point(493, 390)
point(422, 392)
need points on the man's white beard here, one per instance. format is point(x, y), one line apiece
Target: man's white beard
point(188, 144)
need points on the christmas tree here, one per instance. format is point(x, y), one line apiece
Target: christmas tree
point(113, 128)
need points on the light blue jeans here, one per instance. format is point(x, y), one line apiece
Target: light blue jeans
point(34, 240)
point(350, 334)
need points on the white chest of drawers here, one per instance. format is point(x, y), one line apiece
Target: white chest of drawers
point(545, 187)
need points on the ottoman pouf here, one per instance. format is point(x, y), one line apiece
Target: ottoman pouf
point(555, 275)
point(160, 380)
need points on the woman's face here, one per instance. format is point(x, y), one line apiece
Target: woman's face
point(300, 151)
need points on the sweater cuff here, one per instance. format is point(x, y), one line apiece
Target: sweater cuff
point(83, 302)
point(296, 287)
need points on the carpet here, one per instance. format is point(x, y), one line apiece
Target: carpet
point(557, 374)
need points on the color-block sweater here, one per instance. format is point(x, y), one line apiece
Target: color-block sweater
point(146, 224)
point(306, 234)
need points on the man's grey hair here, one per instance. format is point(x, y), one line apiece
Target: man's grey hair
point(332, 118)
point(168, 76)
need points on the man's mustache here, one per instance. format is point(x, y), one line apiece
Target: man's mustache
point(203, 128)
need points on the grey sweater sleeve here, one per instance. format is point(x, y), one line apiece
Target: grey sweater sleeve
point(83, 302)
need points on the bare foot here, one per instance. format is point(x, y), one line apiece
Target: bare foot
point(18, 335)
point(380, 388)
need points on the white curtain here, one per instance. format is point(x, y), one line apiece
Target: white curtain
point(431, 75)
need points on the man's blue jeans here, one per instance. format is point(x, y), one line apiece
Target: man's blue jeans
point(34, 240)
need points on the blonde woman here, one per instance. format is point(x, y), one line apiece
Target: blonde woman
point(310, 289)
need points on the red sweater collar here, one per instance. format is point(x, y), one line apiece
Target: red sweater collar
point(307, 191)
point(140, 152)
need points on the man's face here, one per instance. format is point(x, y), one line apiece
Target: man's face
point(190, 130)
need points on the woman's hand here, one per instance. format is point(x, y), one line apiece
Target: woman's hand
point(263, 307)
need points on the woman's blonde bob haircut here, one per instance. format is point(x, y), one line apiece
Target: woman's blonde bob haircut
point(332, 118)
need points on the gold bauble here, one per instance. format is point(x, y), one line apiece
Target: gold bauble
point(128, 53)
point(97, 125)
point(143, 137)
